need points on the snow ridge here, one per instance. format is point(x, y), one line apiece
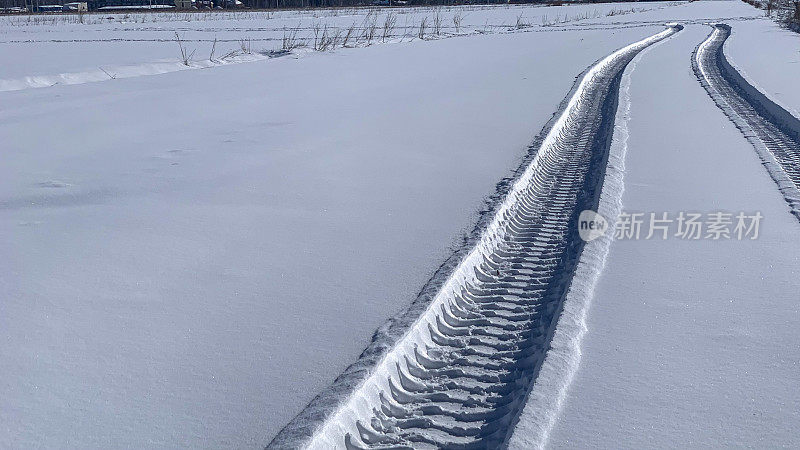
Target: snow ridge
point(462, 370)
point(129, 71)
point(773, 131)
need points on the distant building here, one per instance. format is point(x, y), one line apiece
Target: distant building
point(76, 6)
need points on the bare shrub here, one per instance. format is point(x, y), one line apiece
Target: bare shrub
point(457, 17)
point(423, 27)
point(290, 41)
point(620, 12)
point(335, 39)
point(348, 35)
point(326, 38)
point(371, 27)
point(213, 49)
point(407, 29)
point(245, 44)
point(521, 23)
point(437, 21)
point(388, 26)
point(316, 28)
point(186, 57)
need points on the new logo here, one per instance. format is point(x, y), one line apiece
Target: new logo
point(591, 225)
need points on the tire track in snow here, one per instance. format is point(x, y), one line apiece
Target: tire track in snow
point(773, 131)
point(459, 374)
point(548, 394)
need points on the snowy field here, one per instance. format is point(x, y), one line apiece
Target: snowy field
point(712, 325)
point(190, 256)
point(44, 50)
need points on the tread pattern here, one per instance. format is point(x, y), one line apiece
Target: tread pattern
point(773, 131)
point(460, 376)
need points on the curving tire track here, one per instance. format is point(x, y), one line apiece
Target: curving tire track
point(460, 373)
point(773, 131)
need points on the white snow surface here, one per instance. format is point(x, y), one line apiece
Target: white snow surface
point(692, 343)
point(772, 68)
point(357, 406)
point(188, 258)
point(41, 51)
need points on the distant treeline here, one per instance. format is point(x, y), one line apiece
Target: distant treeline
point(784, 11)
point(280, 4)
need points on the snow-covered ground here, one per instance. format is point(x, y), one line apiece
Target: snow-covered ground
point(694, 344)
point(192, 256)
point(771, 67)
point(188, 258)
point(44, 50)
